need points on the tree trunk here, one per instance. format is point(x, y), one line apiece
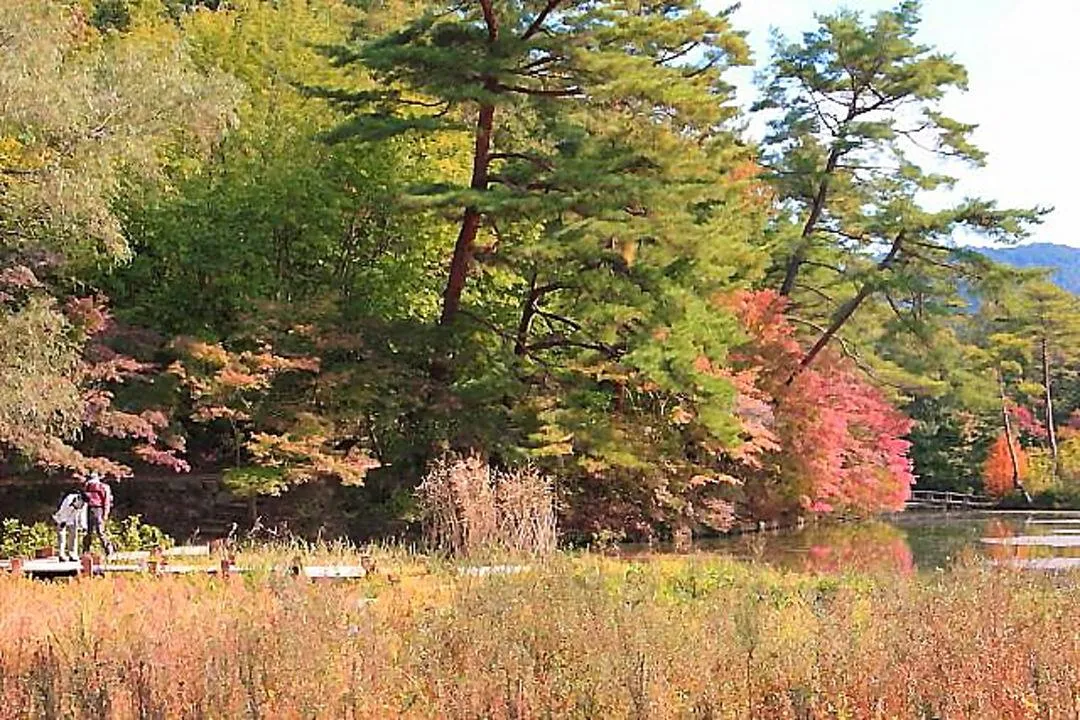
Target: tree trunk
point(528, 311)
point(470, 220)
point(1009, 440)
point(845, 311)
point(799, 256)
point(1051, 433)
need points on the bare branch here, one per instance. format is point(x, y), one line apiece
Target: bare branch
point(703, 69)
point(820, 293)
point(849, 352)
point(676, 54)
point(557, 92)
point(883, 101)
point(907, 322)
point(574, 324)
point(536, 160)
point(538, 21)
point(420, 103)
point(827, 266)
point(557, 341)
point(527, 68)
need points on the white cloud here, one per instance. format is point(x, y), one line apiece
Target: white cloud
point(1019, 57)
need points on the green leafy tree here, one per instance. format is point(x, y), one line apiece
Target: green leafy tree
point(321, 226)
point(82, 112)
point(851, 153)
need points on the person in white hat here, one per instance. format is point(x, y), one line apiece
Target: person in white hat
point(71, 515)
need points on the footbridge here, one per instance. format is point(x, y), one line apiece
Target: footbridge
point(947, 500)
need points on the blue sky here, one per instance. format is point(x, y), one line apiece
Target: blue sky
point(1022, 60)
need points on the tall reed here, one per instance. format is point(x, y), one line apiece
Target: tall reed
point(470, 508)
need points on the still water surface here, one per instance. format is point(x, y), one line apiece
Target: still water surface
point(910, 542)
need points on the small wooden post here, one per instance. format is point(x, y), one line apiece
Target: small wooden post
point(152, 567)
point(368, 563)
point(17, 567)
point(226, 565)
point(86, 565)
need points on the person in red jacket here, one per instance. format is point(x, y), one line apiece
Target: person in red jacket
point(99, 501)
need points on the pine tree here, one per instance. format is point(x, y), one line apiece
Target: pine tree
point(606, 203)
point(859, 105)
point(582, 117)
point(1042, 322)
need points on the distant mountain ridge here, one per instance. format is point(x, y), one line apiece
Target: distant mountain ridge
point(1063, 259)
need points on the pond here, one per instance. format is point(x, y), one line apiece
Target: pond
point(909, 542)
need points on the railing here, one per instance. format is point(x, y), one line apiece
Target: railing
point(947, 500)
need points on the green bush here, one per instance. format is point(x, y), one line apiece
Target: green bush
point(18, 539)
point(131, 533)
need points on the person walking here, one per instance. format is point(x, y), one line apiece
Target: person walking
point(99, 501)
point(71, 515)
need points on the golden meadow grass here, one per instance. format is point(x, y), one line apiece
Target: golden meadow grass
point(580, 636)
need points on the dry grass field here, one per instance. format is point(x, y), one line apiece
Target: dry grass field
point(579, 636)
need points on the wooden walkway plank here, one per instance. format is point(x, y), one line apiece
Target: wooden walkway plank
point(1057, 541)
point(148, 562)
point(333, 571)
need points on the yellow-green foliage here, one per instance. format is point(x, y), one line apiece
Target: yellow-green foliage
point(583, 637)
point(1040, 478)
point(1069, 460)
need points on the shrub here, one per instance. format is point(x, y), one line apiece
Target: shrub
point(468, 508)
point(131, 533)
point(18, 539)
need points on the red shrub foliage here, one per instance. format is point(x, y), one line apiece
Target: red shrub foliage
point(998, 469)
point(839, 444)
point(1026, 422)
point(89, 314)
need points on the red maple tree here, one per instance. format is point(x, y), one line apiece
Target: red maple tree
point(998, 476)
point(841, 444)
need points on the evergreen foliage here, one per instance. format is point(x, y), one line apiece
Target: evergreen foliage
point(340, 240)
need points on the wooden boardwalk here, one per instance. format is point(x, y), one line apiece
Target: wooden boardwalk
point(159, 564)
point(946, 500)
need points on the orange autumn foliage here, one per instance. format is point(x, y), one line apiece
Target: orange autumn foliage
point(998, 468)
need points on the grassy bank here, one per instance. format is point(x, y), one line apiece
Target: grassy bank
point(580, 637)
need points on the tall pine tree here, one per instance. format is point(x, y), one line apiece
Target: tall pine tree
point(859, 136)
point(606, 204)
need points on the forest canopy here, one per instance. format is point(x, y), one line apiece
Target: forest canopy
point(321, 241)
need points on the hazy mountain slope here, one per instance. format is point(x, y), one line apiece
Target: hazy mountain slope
point(1064, 259)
